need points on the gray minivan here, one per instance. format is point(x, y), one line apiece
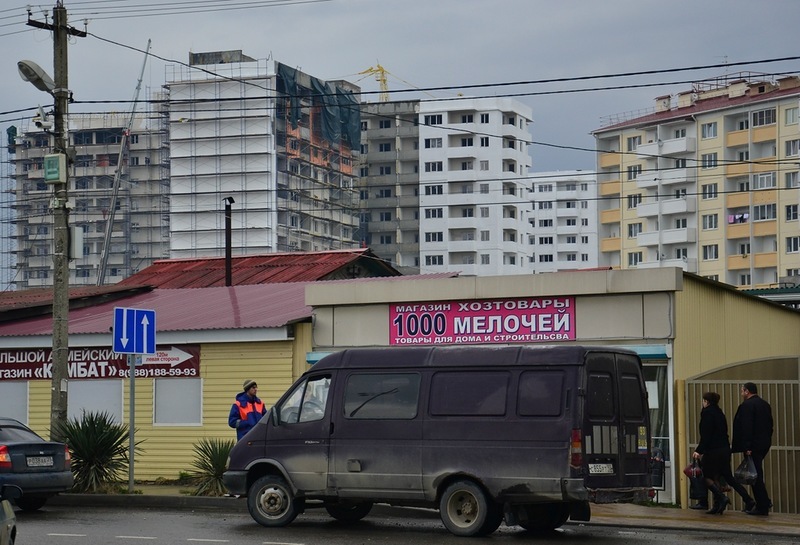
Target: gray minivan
point(529, 434)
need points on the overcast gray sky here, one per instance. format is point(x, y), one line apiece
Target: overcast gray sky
point(425, 43)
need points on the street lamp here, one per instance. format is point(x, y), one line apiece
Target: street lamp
point(57, 174)
point(228, 250)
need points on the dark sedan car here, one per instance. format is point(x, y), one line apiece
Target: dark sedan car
point(40, 468)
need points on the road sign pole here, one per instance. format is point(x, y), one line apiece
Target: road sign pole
point(131, 419)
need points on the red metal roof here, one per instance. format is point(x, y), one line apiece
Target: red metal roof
point(207, 272)
point(234, 307)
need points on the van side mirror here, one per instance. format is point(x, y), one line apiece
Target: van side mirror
point(275, 415)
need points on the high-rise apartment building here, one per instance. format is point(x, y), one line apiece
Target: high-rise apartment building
point(563, 222)
point(445, 185)
point(108, 152)
point(277, 141)
point(708, 181)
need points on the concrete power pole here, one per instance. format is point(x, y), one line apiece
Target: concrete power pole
point(61, 94)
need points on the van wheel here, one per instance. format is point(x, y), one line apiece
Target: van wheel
point(349, 512)
point(271, 502)
point(30, 503)
point(544, 517)
point(466, 512)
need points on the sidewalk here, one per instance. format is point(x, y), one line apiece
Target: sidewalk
point(614, 514)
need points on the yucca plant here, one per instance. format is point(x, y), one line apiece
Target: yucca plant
point(99, 449)
point(211, 456)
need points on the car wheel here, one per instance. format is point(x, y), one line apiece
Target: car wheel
point(349, 512)
point(271, 502)
point(466, 511)
point(544, 517)
point(30, 503)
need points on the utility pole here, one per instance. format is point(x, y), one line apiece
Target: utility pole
point(61, 94)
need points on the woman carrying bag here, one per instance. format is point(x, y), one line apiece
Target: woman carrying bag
point(714, 451)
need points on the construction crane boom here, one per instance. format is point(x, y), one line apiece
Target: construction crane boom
point(380, 75)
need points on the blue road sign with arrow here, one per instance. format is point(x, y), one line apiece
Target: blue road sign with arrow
point(134, 331)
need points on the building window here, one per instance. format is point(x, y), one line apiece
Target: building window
point(545, 188)
point(433, 142)
point(484, 189)
point(710, 221)
point(584, 222)
point(791, 212)
point(634, 200)
point(484, 211)
point(634, 171)
point(571, 204)
point(484, 165)
point(792, 245)
point(437, 236)
point(467, 212)
point(385, 216)
point(386, 239)
point(634, 229)
point(545, 240)
point(467, 118)
point(679, 133)
point(485, 259)
point(434, 260)
point(710, 252)
point(434, 190)
point(709, 191)
point(433, 166)
point(709, 130)
point(466, 142)
point(792, 272)
point(764, 212)
point(792, 179)
point(680, 223)
point(545, 223)
point(744, 248)
point(466, 165)
point(791, 116)
point(545, 258)
point(385, 124)
point(484, 118)
point(384, 170)
point(572, 240)
point(744, 279)
point(169, 406)
point(545, 205)
point(484, 141)
point(363, 125)
point(572, 222)
point(431, 213)
point(386, 146)
point(792, 148)
point(485, 236)
point(681, 253)
point(708, 160)
point(364, 172)
point(572, 257)
point(765, 180)
point(764, 117)
point(634, 258)
point(584, 257)
point(634, 142)
point(433, 119)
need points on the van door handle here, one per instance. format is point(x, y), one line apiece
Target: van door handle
point(331, 430)
point(354, 466)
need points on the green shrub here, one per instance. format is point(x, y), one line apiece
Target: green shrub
point(99, 449)
point(211, 456)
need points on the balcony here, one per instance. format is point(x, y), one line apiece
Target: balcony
point(609, 159)
point(667, 207)
point(673, 146)
point(737, 138)
point(612, 244)
point(738, 262)
point(737, 200)
point(765, 228)
point(688, 265)
point(765, 134)
point(666, 177)
point(612, 187)
point(613, 215)
point(737, 230)
point(764, 164)
point(765, 260)
point(667, 236)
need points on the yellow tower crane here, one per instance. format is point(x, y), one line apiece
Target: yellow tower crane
point(380, 75)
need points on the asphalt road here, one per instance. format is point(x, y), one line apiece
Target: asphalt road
point(63, 525)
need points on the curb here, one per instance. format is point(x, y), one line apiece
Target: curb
point(148, 500)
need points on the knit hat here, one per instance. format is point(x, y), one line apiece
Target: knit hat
point(249, 383)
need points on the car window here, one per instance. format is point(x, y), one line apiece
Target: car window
point(15, 433)
point(469, 393)
point(307, 401)
point(378, 396)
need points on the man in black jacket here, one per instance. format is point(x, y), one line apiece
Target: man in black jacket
point(752, 435)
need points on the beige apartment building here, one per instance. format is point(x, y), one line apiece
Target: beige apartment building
point(707, 181)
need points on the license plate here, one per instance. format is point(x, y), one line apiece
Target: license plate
point(599, 469)
point(40, 461)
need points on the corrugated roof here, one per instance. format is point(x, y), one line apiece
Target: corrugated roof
point(234, 307)
point(206, 272)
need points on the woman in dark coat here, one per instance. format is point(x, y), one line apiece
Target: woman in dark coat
point(714, 452)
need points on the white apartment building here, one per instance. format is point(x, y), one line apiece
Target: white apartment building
point(103, 157)
point(277, 141)
point(444, 183)
point(563, 221)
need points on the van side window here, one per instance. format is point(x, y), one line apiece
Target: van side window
point(466, 393)
point(541, 393)
point(391, 396)
point(600, 396)
point(307, 402)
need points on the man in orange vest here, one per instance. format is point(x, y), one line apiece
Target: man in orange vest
point(247, 410)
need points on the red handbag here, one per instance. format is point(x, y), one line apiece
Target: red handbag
point(693, 470)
